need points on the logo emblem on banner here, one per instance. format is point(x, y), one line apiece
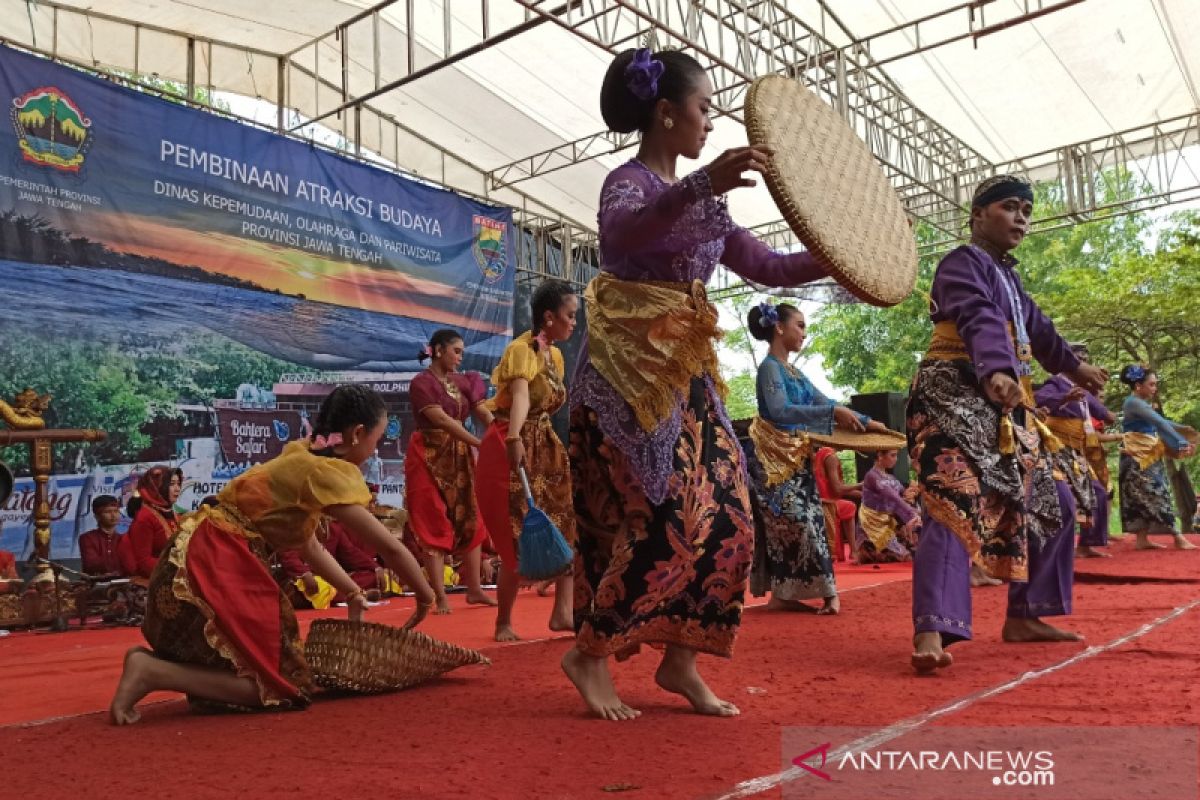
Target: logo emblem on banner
point(490, 253)
point(53, 131)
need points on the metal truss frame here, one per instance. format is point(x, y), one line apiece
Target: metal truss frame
point(933, 171)
point(742, 40)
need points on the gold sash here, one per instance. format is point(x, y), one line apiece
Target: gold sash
point(1071, 431)
point(946, 345)
point(780, 453)
point(648, 339)
point(1143, 448)
point(879, 526)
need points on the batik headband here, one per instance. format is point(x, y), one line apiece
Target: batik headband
point(1001, 187)
point(642, 74)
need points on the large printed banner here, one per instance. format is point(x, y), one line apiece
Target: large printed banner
point(165, 273)
point(71, 500)
point(119, 208)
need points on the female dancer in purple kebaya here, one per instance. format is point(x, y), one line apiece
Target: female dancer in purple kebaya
point(661, 498)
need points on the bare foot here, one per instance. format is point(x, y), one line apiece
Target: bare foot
point(681, 677)
point(1023, 629)
point(981, 578)
point(373, 595)
point(132, 687)
point(544, 587)
point(779, 604)
point(505, 633)
point(928, 654)
point(1086, 551)
point(443, 606)
point(561, 621)
point(1182, 543)
point(592, 679)
point(480, 598)
point(1144, 543)
point(833, 605)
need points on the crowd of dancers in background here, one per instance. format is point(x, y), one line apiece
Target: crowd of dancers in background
point(670, 516)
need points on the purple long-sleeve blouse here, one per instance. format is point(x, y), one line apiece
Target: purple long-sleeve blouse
point(968, 290)
point(1053, 395)
point(654, 230)
point(882, 492)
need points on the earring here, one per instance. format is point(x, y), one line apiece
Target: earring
point(668, 123)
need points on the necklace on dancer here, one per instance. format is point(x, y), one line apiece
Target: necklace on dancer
point(1016, 308)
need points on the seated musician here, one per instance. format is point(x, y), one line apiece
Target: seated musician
point(887, 522)
point(98, 547)
point(312, 591)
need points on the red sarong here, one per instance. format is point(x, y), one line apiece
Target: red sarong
point(429, 519)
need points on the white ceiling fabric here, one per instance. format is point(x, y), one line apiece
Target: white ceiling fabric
point(1091, 70)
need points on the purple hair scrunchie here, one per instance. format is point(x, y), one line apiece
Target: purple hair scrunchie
point(642, 74)
point(768, 313)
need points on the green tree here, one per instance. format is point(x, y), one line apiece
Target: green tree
point(873, 350)
point(120, 386)
point(94, 385)
point(742, 401)
point(1141, 308)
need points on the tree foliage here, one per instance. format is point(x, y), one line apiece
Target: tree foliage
point(1127, 287)
point(121, 385)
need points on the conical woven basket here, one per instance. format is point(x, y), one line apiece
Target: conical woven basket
point(369, 658)
point(832, 192)
point(866, 442)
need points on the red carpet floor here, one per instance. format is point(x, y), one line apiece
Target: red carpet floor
point(517, 729)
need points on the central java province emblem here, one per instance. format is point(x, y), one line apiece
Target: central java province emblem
point(490, 248)
point(52, 130)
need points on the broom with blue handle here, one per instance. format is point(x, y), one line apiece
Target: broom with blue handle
point(543, 552)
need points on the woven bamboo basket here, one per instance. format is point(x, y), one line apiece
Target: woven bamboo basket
point(830, 189)
point(1188, 433)
point(394, 519)
point(866, 442)
point(370, 658)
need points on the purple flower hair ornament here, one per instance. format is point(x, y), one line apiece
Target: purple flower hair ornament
point(642, 74)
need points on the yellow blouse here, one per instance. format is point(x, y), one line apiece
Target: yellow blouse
point(283, 498)
point(546, 389)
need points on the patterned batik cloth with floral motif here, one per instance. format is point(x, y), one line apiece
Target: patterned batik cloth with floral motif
point(991, 501)
point(1146, 502)
point(668, 573)
point(791, 556)
point(212, 599)
point(791, 552)
point(498, 489)
point(661, 493)
point(439, 469)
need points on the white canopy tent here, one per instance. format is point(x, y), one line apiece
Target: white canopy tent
point(498, 98)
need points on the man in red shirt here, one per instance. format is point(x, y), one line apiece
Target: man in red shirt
point(10, 581)
point(98, 547)
point(359, 564)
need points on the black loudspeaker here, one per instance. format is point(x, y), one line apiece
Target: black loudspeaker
point(888, 408)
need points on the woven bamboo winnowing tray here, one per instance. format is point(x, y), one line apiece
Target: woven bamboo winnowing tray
point(369, 658)
point(868, 441)
point(1189, 433)
point(832, 192)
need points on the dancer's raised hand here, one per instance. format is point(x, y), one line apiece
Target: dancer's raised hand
point(728, 170)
